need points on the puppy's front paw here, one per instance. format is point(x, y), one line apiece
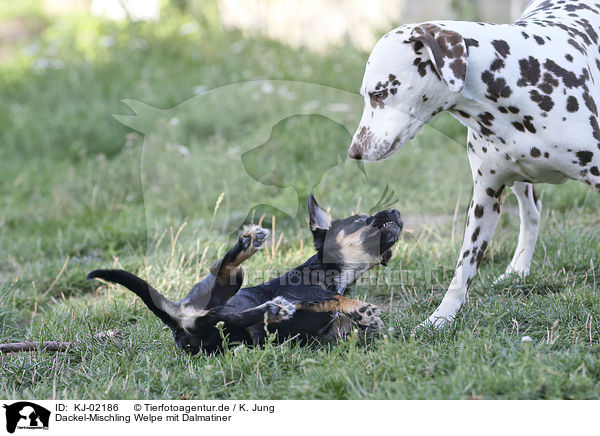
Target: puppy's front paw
point(280, 309)
point(367, 315)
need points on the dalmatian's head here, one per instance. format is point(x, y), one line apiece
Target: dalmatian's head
point(413, 73)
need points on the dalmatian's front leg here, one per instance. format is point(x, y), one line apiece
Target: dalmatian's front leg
point(482, 220)
point(530, 208)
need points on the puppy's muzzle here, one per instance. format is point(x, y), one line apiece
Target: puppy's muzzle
point(389, 220)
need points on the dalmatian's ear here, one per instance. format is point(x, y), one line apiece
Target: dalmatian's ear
point(447, 50)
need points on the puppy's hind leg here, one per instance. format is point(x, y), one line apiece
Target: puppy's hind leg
point(361, 312)
point(226, 275)
point(251, 239)
point(257, 333)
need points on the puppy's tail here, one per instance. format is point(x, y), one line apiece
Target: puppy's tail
point(166, 310)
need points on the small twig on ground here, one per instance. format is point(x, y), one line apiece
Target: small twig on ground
point(33, 346)
point(16, 347)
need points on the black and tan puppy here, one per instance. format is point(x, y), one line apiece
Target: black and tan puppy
point(306, 301)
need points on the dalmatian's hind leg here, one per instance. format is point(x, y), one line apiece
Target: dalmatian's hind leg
point(591, 177)
point(530, 209)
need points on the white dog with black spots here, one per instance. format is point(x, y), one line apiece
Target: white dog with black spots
point(527, 93)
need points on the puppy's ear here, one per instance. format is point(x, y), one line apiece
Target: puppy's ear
point(320, 222)
point(447, 50)
point(319, 218)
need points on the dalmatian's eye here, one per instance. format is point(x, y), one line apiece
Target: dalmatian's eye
point(379, 95)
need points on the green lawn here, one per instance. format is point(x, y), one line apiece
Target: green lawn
point(79, 188)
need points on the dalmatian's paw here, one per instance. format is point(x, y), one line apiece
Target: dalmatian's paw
point(434, 322)
point(367, 315)
point(511, 276)
point(444, 315)
point(280, 309)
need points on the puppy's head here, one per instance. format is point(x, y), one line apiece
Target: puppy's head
point(356, 243)
point(192, 326)
point(200, 334)
point(413, 73)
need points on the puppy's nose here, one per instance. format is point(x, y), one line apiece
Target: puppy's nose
point(397, 216)
point(355, 152)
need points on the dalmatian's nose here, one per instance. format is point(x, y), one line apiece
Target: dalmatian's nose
point(355, 152)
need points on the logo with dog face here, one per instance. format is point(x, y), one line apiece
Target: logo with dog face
point(252, 153)
point(26, 415)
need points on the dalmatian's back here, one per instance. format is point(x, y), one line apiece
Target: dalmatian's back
point(539, 80)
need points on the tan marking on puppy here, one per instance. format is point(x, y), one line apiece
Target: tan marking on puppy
point(361, 312)
point(223, 274)
point(351, 248)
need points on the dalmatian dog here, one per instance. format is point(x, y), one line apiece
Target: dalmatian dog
point(527, 93)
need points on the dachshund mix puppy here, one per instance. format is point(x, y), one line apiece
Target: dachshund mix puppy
point(307, 301)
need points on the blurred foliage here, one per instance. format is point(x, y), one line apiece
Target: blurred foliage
point(466, 10)
point(88, 64)
point(22, 9)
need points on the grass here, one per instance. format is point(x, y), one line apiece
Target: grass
point(72, 192)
